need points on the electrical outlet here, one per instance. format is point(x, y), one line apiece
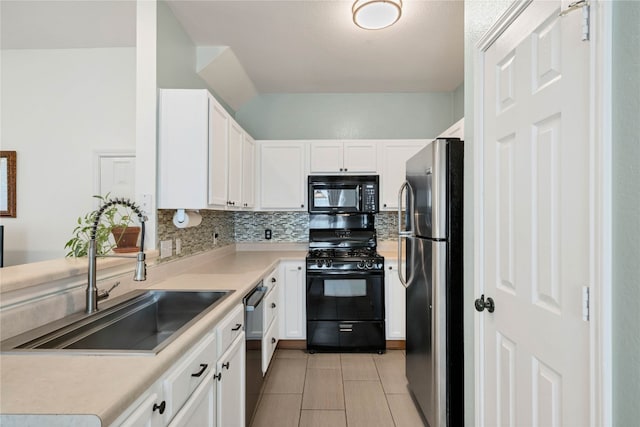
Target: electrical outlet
point(166, 247)
point(144, 201)
point(215, 236)
point(178, 246)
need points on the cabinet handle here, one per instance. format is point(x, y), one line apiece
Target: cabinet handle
point(273, 280)
point(203, 367)
point(302, 206)
point(161, 407)
point(299, 268)
point(273, 305)
point(385, 205)
point(340, 169)
point(238, 326)
point(225, 365)
point(218, 376)
point(273, 340)
point(345, 169)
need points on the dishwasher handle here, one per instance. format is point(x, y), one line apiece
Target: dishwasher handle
point(253, 300)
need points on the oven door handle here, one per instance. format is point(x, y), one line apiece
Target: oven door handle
point(253, 300)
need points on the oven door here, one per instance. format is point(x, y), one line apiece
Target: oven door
point(345, 311)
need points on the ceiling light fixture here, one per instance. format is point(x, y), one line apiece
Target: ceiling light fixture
point(376, 14)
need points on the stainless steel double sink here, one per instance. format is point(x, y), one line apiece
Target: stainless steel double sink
point(138, 323)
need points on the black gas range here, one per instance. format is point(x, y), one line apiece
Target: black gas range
point(345, 285)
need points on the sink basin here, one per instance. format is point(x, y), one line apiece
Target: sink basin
point(141, 322)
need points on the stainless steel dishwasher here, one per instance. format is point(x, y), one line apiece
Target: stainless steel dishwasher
point(254, 331)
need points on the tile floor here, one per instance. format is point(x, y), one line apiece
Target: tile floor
point(336, 390)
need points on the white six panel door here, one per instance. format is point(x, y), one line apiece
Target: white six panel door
point(536, 222)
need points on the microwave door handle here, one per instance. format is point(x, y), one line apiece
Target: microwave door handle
point(403, 234)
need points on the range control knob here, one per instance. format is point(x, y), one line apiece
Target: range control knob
point(328, 263)
point(361, 264)
point(319, 263)
point(369, 263)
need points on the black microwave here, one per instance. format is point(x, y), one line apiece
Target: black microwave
point(340, 194)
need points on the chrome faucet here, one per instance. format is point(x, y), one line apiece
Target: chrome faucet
point(140, 273)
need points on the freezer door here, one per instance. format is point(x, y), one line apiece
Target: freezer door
point(427, 176)
point(426, 327)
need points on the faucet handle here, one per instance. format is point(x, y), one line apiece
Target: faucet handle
point(105, 294)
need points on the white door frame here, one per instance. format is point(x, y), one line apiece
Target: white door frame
point(600, 203)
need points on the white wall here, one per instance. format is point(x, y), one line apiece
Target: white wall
point(58, 107)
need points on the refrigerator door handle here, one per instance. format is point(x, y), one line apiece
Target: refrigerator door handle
point(403, 234)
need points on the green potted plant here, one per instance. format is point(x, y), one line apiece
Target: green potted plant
point(115, 231)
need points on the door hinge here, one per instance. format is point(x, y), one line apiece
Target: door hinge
point(585, 303)
point(585, 6)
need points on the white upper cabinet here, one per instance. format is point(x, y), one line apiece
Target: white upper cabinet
point(248, 171)
point(205, 159)
point(283, 175)
point(236, 140)
point(393, 157)
point(343, 156)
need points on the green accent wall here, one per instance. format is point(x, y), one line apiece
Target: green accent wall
point(347, 115)
point(626, 212)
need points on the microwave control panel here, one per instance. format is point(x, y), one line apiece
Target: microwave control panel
point(370, 198)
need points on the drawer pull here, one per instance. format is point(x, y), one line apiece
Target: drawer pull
point(160, 407)
point(203, 367)
point(273, 340)
point(225, 365)
point(238, 326)
point(273, 280)
point(273, 305)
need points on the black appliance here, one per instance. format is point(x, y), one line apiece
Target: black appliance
point(254, 331)
point(434, 280)
point(338, 194)
point(345, 285)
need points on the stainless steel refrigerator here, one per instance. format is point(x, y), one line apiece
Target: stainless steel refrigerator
point(430, 222)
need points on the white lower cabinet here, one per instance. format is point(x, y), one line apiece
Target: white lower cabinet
point(204, 388)
point(293, 299)
point(200, 410)
point(230, 385)
point(395, 302)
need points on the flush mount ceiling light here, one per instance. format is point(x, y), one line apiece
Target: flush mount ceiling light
point(376, 14)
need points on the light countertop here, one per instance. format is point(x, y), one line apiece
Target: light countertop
point(105, 386)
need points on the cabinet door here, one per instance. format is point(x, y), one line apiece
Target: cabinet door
point(326, 157)
point(283, 175)
point(236, 137)
point(393, 157)
point(360, 157)
point(200, 409)
point(394, 302)
point(144, 415)
point(292, 298)
point(248, 171)
point(182, 148)
point(231, 385)
point(218, 154)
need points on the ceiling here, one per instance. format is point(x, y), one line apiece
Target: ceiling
point(287, 46)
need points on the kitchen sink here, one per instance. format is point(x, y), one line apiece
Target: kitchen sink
point(140, 322)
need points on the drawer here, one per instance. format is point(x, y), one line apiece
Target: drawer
point(229, 328)
point(183, 379)
point(271, 307)
point(271, 280)
point(269, 344)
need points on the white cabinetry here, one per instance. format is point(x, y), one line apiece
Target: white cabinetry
point(201, 408)
point(230, 368)
point(248, 171)
point(456, 130)
point(395, 302)
point(343, 156)
point(283, 172)
point(144, 412)
point(205, 159)
point(271, 320)
point(393, 156)
point(293, 300)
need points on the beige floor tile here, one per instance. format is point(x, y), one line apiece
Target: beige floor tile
point(286, 376)
point(358, 367)
point(316, 418)
point(390, 354)
point(366, 404)
point(282, 410)
point(392, 374)
point(290, 354)
point(404, 411)
point(323, 389)
point(324, 360)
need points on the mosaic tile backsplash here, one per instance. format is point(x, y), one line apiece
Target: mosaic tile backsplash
point(245, 227)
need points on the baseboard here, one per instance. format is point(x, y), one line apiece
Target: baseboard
point(302, 344)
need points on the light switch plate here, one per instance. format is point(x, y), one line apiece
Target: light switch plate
point(166, 246)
